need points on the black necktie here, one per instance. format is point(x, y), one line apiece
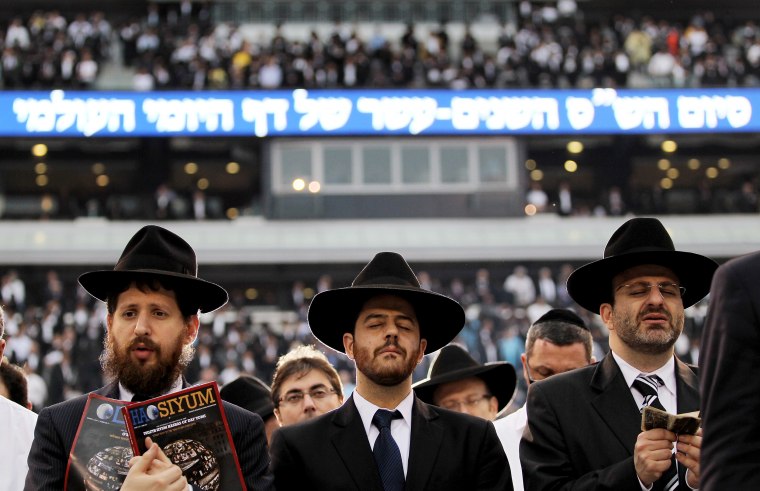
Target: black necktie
point(648, 386)
point(140, 397)
point(387, 454)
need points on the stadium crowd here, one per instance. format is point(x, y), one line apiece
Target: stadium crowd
point(55, 332)
point(184, 48)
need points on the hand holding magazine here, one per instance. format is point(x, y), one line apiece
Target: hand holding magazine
point(191, 428)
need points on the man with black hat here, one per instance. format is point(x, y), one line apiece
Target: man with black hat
point(153, 298)
point(584, 426)
point(383, 437)
point(457, 382)
point(253, 394)
point(559, 341)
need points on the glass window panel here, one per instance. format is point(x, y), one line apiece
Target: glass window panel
point(493, 164)
point(376, 165)
point(337, 166)
point(454, 168)
point(296, 163)
point(415, 165)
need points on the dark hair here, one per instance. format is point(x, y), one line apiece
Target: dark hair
point(188, 304)
point(561, 334)
point(299, 362)
point(15, 381)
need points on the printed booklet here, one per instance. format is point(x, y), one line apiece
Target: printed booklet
point(191, 428)
point(101, 450)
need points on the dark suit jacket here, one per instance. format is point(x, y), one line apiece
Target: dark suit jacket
point(57, 426)
point(730, 366)
point(582, 428)
point(447, 450)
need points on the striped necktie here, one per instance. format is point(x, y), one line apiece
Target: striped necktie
point(648, 386)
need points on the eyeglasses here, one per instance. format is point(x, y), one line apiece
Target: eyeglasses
point(642, 290)
point(469, 403)
point(296, 397)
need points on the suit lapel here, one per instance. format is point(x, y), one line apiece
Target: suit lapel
point(111, 390)
point(424, 445)
point(350, 440)
point(687, 388)
point(614, 402)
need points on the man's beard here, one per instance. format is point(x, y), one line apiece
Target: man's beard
point(653, 341)
point(387, 376)
point(148, 380)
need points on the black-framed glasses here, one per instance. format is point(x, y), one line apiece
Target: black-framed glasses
point(296, 397)
point(470, 403)
point(641, 289)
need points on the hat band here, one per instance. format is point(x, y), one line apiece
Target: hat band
point(150, 261)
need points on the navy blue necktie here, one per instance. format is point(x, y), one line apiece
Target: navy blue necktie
point(387, 454)
point(648, 387)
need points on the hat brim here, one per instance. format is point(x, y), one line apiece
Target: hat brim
point(500, 377)
point(208, 296)
point(591, 285)
point(333, 313)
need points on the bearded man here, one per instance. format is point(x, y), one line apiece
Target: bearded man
point(153, 296)
point(584, 426)
point(383, 437)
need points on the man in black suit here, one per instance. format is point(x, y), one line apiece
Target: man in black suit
point(730, 361)
point(153, 297)
point(383, 437)
point(584, 426)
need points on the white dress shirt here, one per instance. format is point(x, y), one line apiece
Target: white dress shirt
point(510, 430)
point(401, 429)
point(17, 427)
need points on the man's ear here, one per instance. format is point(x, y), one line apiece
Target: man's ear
point(277, 415)
point(193, 324)
point(348, 344)
point(605, 312)
point(421, 355)
point(2, 348)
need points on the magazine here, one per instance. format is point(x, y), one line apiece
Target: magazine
point(191, 428)
point(101, 450)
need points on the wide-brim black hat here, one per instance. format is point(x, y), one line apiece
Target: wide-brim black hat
point(640, 241)
point(454, 363)
point(155, 251)
point(333, 313)
point(250, 393)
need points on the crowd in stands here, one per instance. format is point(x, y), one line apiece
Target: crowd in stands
point(183, 48)
point(55, 330)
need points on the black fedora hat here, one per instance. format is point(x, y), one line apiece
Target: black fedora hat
point(640, 241)
point(333, 313)
point(455, 363)
point(250, 393)
point(155, 251)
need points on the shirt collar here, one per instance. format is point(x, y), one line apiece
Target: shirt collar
point(126, 395)
point(367, 410)
point(666, 372)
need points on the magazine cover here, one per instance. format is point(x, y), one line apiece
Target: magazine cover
point(191, 428)
point(101, 451)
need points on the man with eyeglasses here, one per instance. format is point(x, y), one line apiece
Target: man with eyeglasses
point(584, 426)
point(384, 437)
point(304, 386)
point(457, 382)
point(559, 341)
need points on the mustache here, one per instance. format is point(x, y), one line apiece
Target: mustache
point(664, 312)
point(388, 344)
point(146, 342)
